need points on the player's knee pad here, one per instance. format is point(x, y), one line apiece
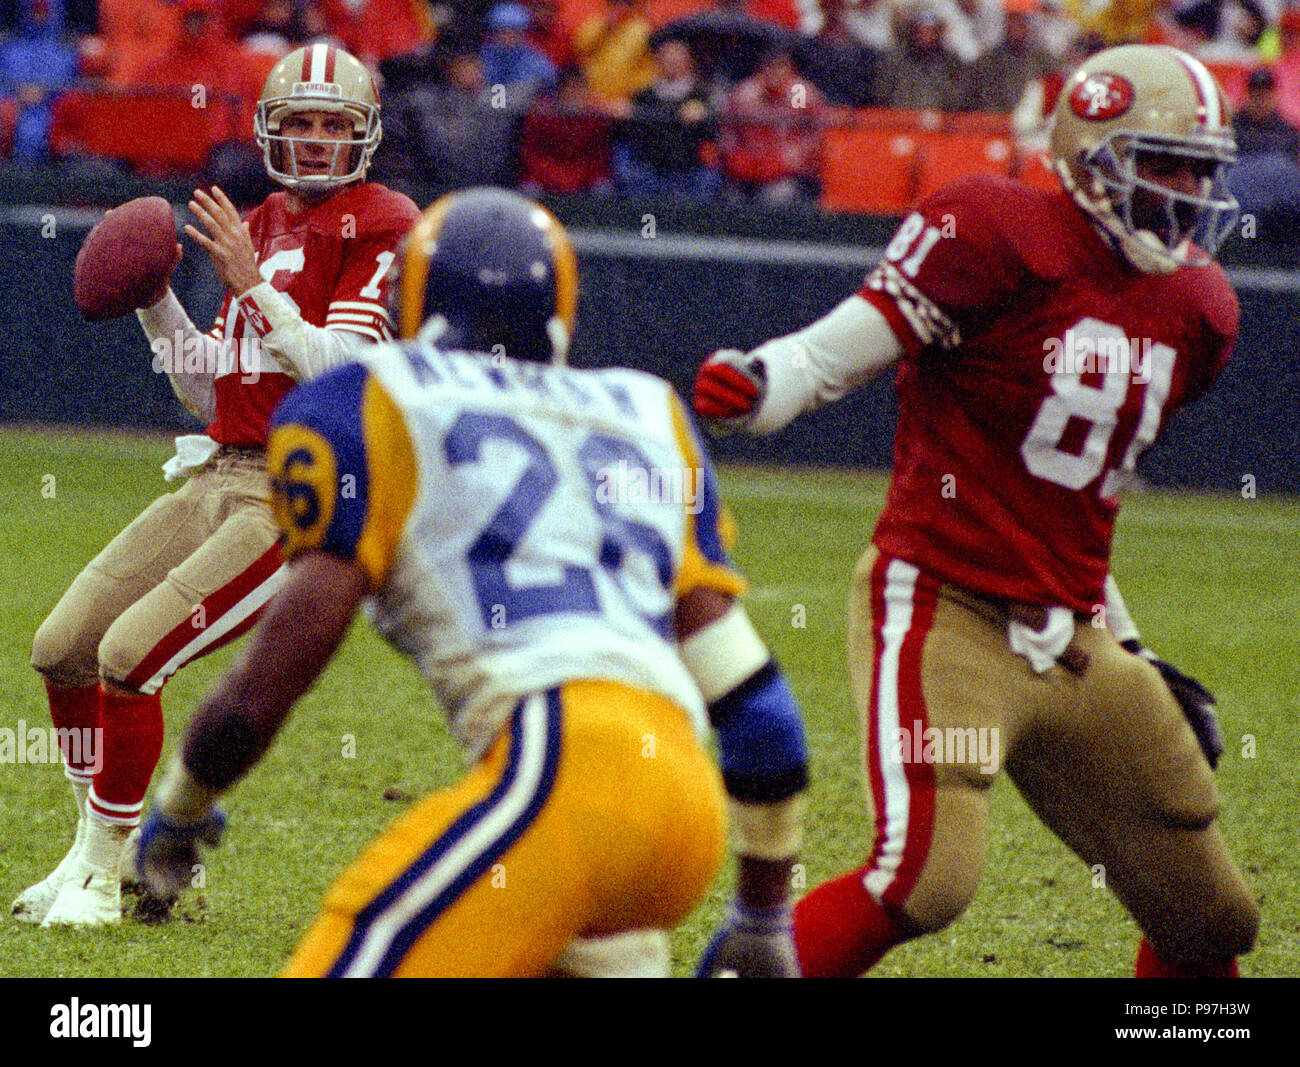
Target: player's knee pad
point(761, 742)
point(633, 954)
point(1234, 924)
point(1189, 800)
point(61, 657)
point(931, 908)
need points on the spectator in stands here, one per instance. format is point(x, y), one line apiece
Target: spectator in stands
point(450, 135)
point(564, 146)
point(508, 57)
point(1117, 21)
point(462, 26)
point(921, 73)
point(549, 35)
point(873, 22)
point(838, 62)
point(203, 57)
point(1235, 36)
point(613, 50)
point(35, 66)
point(772, 133)
point(79, 17)
point(1031, 116)
point(974, 26)
point(667, 146)
point(277, 29)
point(1259, 129)
point(1267, 177)
point(997, 80)
point(384, 28)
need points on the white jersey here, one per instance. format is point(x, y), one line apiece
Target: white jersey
point(522, 525)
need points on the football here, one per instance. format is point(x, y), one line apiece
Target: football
point(127, 260)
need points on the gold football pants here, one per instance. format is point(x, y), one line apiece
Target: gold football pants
point(1096, 744)
point(595, 811)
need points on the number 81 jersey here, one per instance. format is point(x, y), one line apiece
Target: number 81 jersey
point(1037, 366)
point(520, 525)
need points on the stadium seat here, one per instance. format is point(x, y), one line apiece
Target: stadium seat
point(945, 157)
point(1032, 168)
point(868, 170)
point(155, 133)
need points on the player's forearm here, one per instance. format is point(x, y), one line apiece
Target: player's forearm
point(822, 362)
point(301, 350)
point(176, 342)
point(304, 626)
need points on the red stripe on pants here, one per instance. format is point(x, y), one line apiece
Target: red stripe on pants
point(909, 699)
point(214, 606)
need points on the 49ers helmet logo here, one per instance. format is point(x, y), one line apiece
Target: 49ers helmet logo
point(1101, 97)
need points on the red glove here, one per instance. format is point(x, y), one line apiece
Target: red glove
point(729, 389)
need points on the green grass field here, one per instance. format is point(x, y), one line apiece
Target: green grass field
point(1213, 581)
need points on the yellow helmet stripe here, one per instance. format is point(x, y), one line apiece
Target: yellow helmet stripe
point(420, 243)
point(566, 270)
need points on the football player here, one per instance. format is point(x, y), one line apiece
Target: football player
point(306, 279)
point(548, 545)
point(1042, 340)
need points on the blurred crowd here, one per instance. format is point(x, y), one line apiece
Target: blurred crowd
point(689, 98)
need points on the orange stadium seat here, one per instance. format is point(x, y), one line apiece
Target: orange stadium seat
point(1033, 168)
point(868, 170)
point(944, 157)
point(155, 133)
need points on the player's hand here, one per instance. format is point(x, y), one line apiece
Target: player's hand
point(751, 943)
point(729, 389)
point(1197, 702)
point(228, 241)
point(169, 850)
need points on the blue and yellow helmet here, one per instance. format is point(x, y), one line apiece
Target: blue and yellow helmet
point(488, 270)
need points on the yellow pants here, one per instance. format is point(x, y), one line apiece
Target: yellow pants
point(595, 811)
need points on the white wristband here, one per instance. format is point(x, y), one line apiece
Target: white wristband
point(724, 653)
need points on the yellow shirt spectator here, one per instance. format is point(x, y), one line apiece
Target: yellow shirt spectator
point(614, 52)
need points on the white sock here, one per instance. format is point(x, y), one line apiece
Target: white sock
point(81, 794)
point(104, 843)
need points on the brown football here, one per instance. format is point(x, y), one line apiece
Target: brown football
point(126, 261)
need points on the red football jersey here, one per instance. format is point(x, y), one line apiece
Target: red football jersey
point(1037, 367)
point(332, 261)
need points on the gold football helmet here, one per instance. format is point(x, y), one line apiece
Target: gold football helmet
point(1128, 115)
point(318, 78)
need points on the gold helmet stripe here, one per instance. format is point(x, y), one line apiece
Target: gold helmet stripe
point(420, 244)
point(566, 270)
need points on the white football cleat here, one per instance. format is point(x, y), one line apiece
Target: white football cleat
point(90, 896)
point(34, 902)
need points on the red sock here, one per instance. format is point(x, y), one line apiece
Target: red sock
point(133, 736)
point(1149, 965)
point(75, 712)
point(840, 931)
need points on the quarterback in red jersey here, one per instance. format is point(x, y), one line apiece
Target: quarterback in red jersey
point(1042, 338)
point(306, 274)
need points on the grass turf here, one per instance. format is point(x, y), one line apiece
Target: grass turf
point(1212, 581)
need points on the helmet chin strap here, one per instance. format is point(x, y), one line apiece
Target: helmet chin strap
point(1141, 248)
